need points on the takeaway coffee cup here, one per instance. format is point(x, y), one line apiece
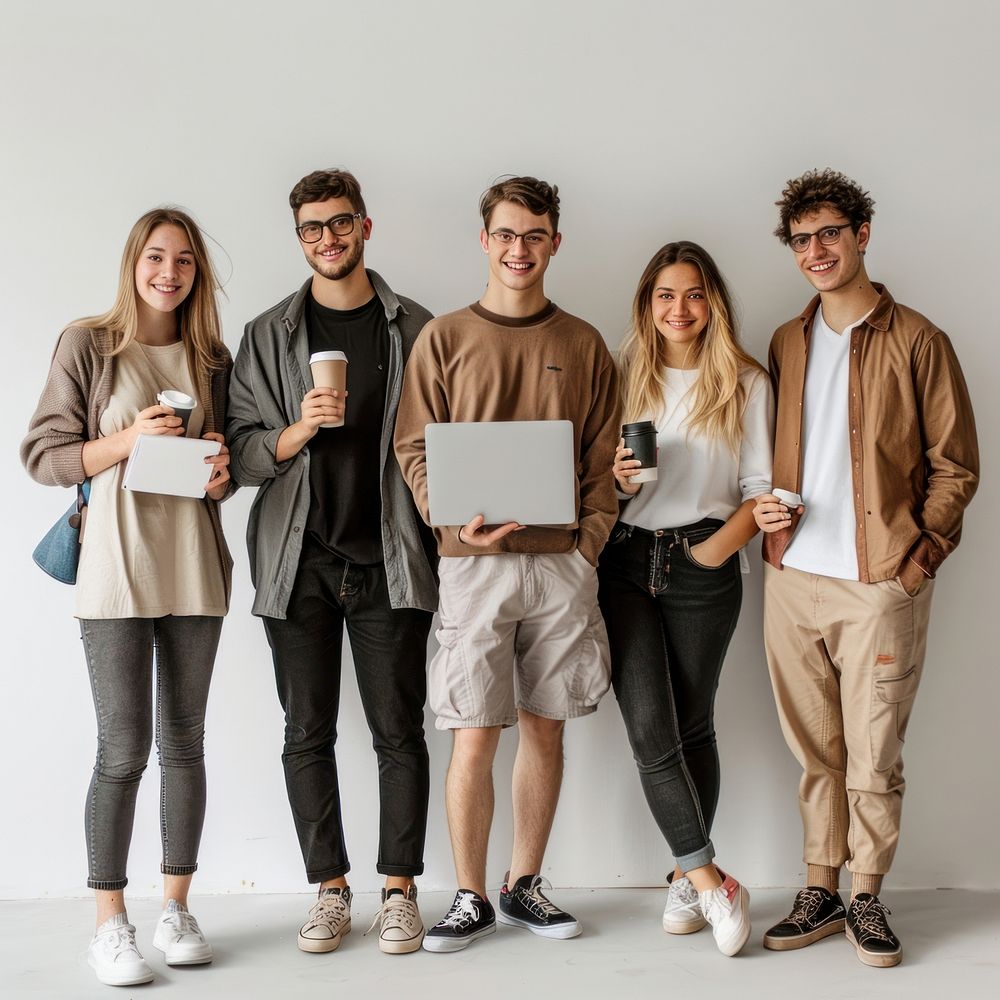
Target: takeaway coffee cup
point(180, 402)
point(641, 438)
point(329, 371)
point(788, 498)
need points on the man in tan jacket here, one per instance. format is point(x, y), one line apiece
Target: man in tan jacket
point(875, 461)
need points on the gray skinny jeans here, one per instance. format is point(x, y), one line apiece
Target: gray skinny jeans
point(120, 655)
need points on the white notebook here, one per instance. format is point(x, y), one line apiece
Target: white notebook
point(175, 466)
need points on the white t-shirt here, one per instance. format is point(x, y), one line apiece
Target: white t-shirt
point(824, 542)
point(699, 476)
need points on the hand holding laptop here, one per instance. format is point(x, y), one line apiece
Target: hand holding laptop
point(476, 534)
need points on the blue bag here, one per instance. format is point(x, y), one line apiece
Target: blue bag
point(58, 553)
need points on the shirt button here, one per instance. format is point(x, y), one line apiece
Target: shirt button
point(296, 529)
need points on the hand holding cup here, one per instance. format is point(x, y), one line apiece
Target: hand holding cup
point(772, 511)
point(180, 404)
point(625, 469)
point(329, 371)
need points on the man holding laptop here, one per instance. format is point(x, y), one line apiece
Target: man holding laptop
point(336, 542)
point(522, 640)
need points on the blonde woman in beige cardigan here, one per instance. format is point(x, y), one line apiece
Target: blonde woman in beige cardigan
point(154, 576)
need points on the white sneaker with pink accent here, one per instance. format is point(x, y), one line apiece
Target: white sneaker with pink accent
point(727, 909)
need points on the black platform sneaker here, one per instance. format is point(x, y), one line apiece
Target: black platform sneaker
point(868, 931)
point(816, 913)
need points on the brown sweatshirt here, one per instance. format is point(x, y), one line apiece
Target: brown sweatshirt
point(474, 365)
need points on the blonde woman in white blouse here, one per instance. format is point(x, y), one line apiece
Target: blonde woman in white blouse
point(670, 576)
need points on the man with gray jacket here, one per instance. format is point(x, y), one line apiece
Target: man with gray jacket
point(335, 541)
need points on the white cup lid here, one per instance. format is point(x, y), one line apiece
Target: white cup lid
point(174, 397)
point(327, 356)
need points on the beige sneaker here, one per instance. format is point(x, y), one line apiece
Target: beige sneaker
point(329, 920)
point(400, 928)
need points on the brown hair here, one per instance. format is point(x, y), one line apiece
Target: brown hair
point(321, 185)
point(719, 394)
point(817, 189)
point(197, 316)
point(538, 197)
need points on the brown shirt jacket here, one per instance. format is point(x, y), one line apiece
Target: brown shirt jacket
point(914, 456)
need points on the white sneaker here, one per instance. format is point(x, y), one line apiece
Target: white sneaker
point(113, 954)
point(682, 914)
point(400, 928)
point(727, 909)
point(180, 938)
point(329, 920)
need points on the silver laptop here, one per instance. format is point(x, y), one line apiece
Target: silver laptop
point(513, 470)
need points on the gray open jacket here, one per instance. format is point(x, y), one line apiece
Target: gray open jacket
point(269, 379)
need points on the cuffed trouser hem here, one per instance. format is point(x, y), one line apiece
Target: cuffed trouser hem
point(178, 869)
point(404, 871)
point(697, 859)
point(107, 885)
point(327, 873)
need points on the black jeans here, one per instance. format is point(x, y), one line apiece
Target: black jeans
point(120, 656)
point(669, 624)
point(389, 648)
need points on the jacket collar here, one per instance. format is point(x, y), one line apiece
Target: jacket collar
point(879, 318)
point(293, 314)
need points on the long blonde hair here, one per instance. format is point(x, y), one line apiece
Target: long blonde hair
point(197, 316)
point(719, 395)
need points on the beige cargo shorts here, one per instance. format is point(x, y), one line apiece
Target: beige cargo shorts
point(517, 631)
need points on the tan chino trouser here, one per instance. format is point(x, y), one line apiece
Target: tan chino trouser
point(845, 660)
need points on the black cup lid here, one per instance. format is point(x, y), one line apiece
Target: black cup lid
point(642, 427)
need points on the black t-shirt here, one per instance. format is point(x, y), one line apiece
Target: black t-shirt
point(344, 474)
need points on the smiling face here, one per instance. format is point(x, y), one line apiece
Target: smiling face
point(679, 307)
point(830, 268)
point(519, 266)
point(166, 269)
point(334, 257)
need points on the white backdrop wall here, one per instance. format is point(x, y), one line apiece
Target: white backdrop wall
point(659, 121)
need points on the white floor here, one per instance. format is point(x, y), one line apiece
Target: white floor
point(951, 942)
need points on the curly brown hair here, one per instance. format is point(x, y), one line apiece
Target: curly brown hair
point(818, 189)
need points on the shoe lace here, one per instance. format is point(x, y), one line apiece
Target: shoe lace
point(807, 904)
point(536, 901)
point(184, 923)
point(462, 913)
point(396, 911)
point(871, 920)
point(121, 940)
point(684, 892)
point(330, 905)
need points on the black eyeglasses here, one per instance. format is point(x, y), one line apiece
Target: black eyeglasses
point(828, 235)
point(339, 225)
point(508, 238)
